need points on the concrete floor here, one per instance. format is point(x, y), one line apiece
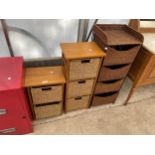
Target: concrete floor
point(135, 118)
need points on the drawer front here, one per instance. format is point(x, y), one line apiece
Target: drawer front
point(109, 86)
point(121, 57)
point(77, 103)
point(118, 54)
point(13, 103)
point(100, 99)
point(113, 72)
point(11, 125)
point(85, 68)
point(47, 94)
point(80, 88)
point(48, 110)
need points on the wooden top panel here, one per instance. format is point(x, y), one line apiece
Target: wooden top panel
point(40, 76)
point(81, 50)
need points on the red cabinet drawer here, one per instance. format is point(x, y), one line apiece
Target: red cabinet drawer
point(10, 100)
point(10, 125)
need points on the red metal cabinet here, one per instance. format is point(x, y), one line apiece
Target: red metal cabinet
point(15, 116)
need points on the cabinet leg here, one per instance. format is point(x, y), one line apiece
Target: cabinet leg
point(130, 94)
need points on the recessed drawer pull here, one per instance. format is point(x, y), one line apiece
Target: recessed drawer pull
point(82, 81)
point(9, 130)
point(116, 66)
point(3, 112)
point(46, 104)
point(85, 61)
point(46, 88)
point(78, 98)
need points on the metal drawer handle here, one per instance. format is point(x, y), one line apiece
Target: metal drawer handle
point(3, 112)
point(8, 130)
point(85, 61)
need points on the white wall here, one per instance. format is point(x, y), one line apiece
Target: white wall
point(4, 51)
point(40, 38)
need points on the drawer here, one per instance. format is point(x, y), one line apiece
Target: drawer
point(10, 100)
point(11, 125)
point(85, 68)
point(122, 54)
point(77, 103)
point(80, 88)
point(104, 98)
point(113, 72)
point(108, 86)
point(48, 110)
point(47, 94)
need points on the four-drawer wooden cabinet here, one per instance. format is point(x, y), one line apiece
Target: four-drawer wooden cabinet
point(121, 45)
point(15, 116)
point(82, 63)
point(45, 86)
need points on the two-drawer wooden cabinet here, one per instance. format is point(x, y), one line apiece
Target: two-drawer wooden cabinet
point(82, 62)
point(15, 116)
point(45, 86)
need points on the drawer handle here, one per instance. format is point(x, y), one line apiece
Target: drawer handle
point(106, 94)
point(78, 98)
point(82, 81)
point(8, 130)
point(110, 82)
point(117, 66)
point(123, 47)
point(46, 104)
point(3, 112)
point(85, 61)
point(46, 88)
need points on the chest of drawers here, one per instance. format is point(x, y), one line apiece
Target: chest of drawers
point(45, 86)
point(82, 63)
point(15, 115)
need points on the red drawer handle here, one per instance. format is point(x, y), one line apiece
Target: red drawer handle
point(3, 112)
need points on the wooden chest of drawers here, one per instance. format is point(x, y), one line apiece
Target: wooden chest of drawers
point(82, 63)
point(121, 45)
point(45, 86)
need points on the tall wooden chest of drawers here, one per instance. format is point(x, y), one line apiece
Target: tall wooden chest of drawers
point(82, 63)
point(121, 45)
